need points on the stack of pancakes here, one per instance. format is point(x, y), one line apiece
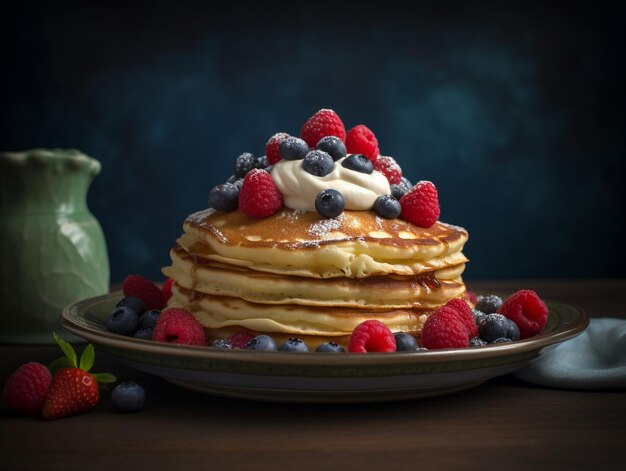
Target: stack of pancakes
point(297, 274)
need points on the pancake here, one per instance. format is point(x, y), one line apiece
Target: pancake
point(356, 244)
point(297, 274)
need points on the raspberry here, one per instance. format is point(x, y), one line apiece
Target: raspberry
point(142, 288)
point(178, 326)
point(389, 168)
point(444, 329)
point(26, 389)
point(361, 140)
point(420, 206)
point(465, 314)
point(259, 196)
point(166, 289)
point(527, 310)
point(240, 340)
point(371, 336)
point(323, 123)
point(471, 297)
point(271, 148)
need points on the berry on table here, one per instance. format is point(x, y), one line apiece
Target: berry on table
point(142, 288)
point(420, 205)
point(178, 326)
point(26, 389)
point(405, 342)
point(361, 140)
point(73, 389)
point(502, 340)
point(323, 123)
point(318, 163)
point(133, 303)
point(329, 203)
point(389, 168)
point(293, 148)
point(123, 320)
point(224, 197)
point(333, 146)
point(262, 342)
point(358, 163)
point(406, 183)
point(387, 206)
point(444, 329)
point(243, 164)
point(527, 310)
point(259, 197)
point(329, 347)
point(371, 336)
point(488, 304)
point(293, 345)
point(271, 147)
point(128, 397)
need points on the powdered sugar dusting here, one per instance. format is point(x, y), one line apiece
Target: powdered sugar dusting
point(324, 226)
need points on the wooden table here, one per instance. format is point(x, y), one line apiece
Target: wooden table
point(504, 423)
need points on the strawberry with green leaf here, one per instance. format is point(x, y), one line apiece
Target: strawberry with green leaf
point(73, 389)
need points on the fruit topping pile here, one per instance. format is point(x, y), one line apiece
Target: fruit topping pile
point(323, 144)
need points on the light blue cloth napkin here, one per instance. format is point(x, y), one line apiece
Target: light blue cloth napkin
point(596, 359)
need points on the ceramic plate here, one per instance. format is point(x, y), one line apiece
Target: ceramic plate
point(319, 377)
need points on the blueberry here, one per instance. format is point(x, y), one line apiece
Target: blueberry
point(134, 303)
point(293, 148)
point(144, 333)
point(358, 163)
point(333, 146)
point(221, 343)
point(406, 183)
point(148, 318)
point(318, 163)
point(128, 397)
point(224, 197)
point(261, 342)
point(405, 342)
point(478, 315)
point(488, 304)
point(387, 206)
point(494, 326)
point(293, 345)
point(261, 162)
point(330, 347)
point(501, 340)
point(123, 320)
point(329, 203)
point(398, 191)
point(477, 342)
point(243, 164)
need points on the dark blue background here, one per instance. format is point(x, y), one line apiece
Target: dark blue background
point(516, 113)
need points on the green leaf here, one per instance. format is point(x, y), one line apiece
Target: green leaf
point(67, 349)
point(87, 358)
point(59, 364)
point(104, 378)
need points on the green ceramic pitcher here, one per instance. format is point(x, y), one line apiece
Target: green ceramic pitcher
point(52, 249)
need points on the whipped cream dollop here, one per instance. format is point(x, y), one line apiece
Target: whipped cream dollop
point(300, 188)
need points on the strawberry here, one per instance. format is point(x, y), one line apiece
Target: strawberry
point(73, 389)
